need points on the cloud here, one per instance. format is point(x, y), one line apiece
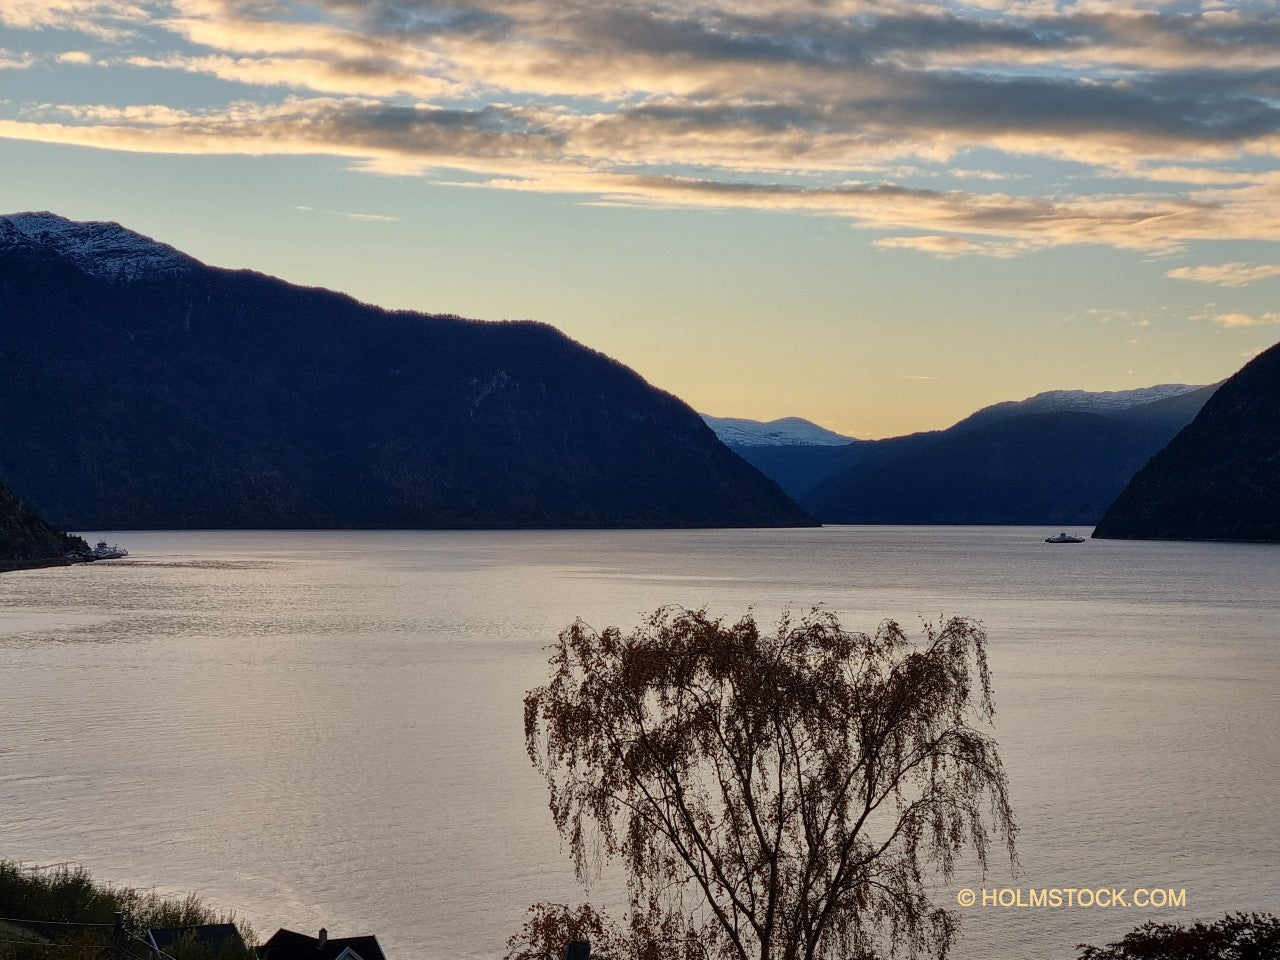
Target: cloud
point(75, 56)
point(549, 150)
point(1232, 274)
point(947, 247)
point(1167, 115)
point(371, 217)
point(106, 19)
point(1233, 320)
point(979, 174)
point(15, 61)
point(355, 77)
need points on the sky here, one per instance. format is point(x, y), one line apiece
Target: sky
point(874, 214)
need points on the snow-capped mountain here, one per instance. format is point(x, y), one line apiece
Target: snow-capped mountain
point(104, 250)
point(201, 397)
point(1104, 402)
point(785, 432)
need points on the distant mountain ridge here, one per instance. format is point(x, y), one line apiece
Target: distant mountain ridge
point(1219, 478)
point(1059, 457)
point(783, 432)
point(1103, 402)
point(144, 389)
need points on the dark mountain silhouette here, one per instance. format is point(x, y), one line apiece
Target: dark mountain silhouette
point(146, 390)
point(26, 538)
point(1052, 468)
point(801, 469)
point(1219, 478)
point(1058, 458)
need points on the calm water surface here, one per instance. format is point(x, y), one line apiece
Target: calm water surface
point(324, 729)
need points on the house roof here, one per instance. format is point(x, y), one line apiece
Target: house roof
point(288, 945)
point(213, 936)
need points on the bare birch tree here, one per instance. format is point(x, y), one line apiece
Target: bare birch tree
point(787, 795)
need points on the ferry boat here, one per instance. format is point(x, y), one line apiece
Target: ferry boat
point(1064, 537)
point(102, 552)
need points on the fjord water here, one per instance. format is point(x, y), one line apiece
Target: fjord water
point(324, 729)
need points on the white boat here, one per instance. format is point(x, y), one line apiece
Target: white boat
point(103, 552)
point(1064, 537)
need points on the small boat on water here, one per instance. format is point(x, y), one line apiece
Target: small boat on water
point(103, 552)
point(1064, 537)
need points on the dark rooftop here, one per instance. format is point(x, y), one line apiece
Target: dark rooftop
point(288, 945)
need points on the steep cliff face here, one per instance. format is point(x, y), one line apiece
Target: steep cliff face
point(151, 391)
point(1219, 478)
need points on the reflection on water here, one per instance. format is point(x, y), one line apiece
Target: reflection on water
point(324, 729)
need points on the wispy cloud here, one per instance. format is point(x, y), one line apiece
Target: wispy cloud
point(949, 246)
point(1233, 320)
point(303, 73)
point(15, 61)
point(371, 217)
point(106, 19)
point(964, 174)
point(1232, 274)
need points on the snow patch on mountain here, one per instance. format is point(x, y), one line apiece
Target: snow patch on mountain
point(1103, 400)
point(785, 432)
point(100, 249)
point(1083, 401)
